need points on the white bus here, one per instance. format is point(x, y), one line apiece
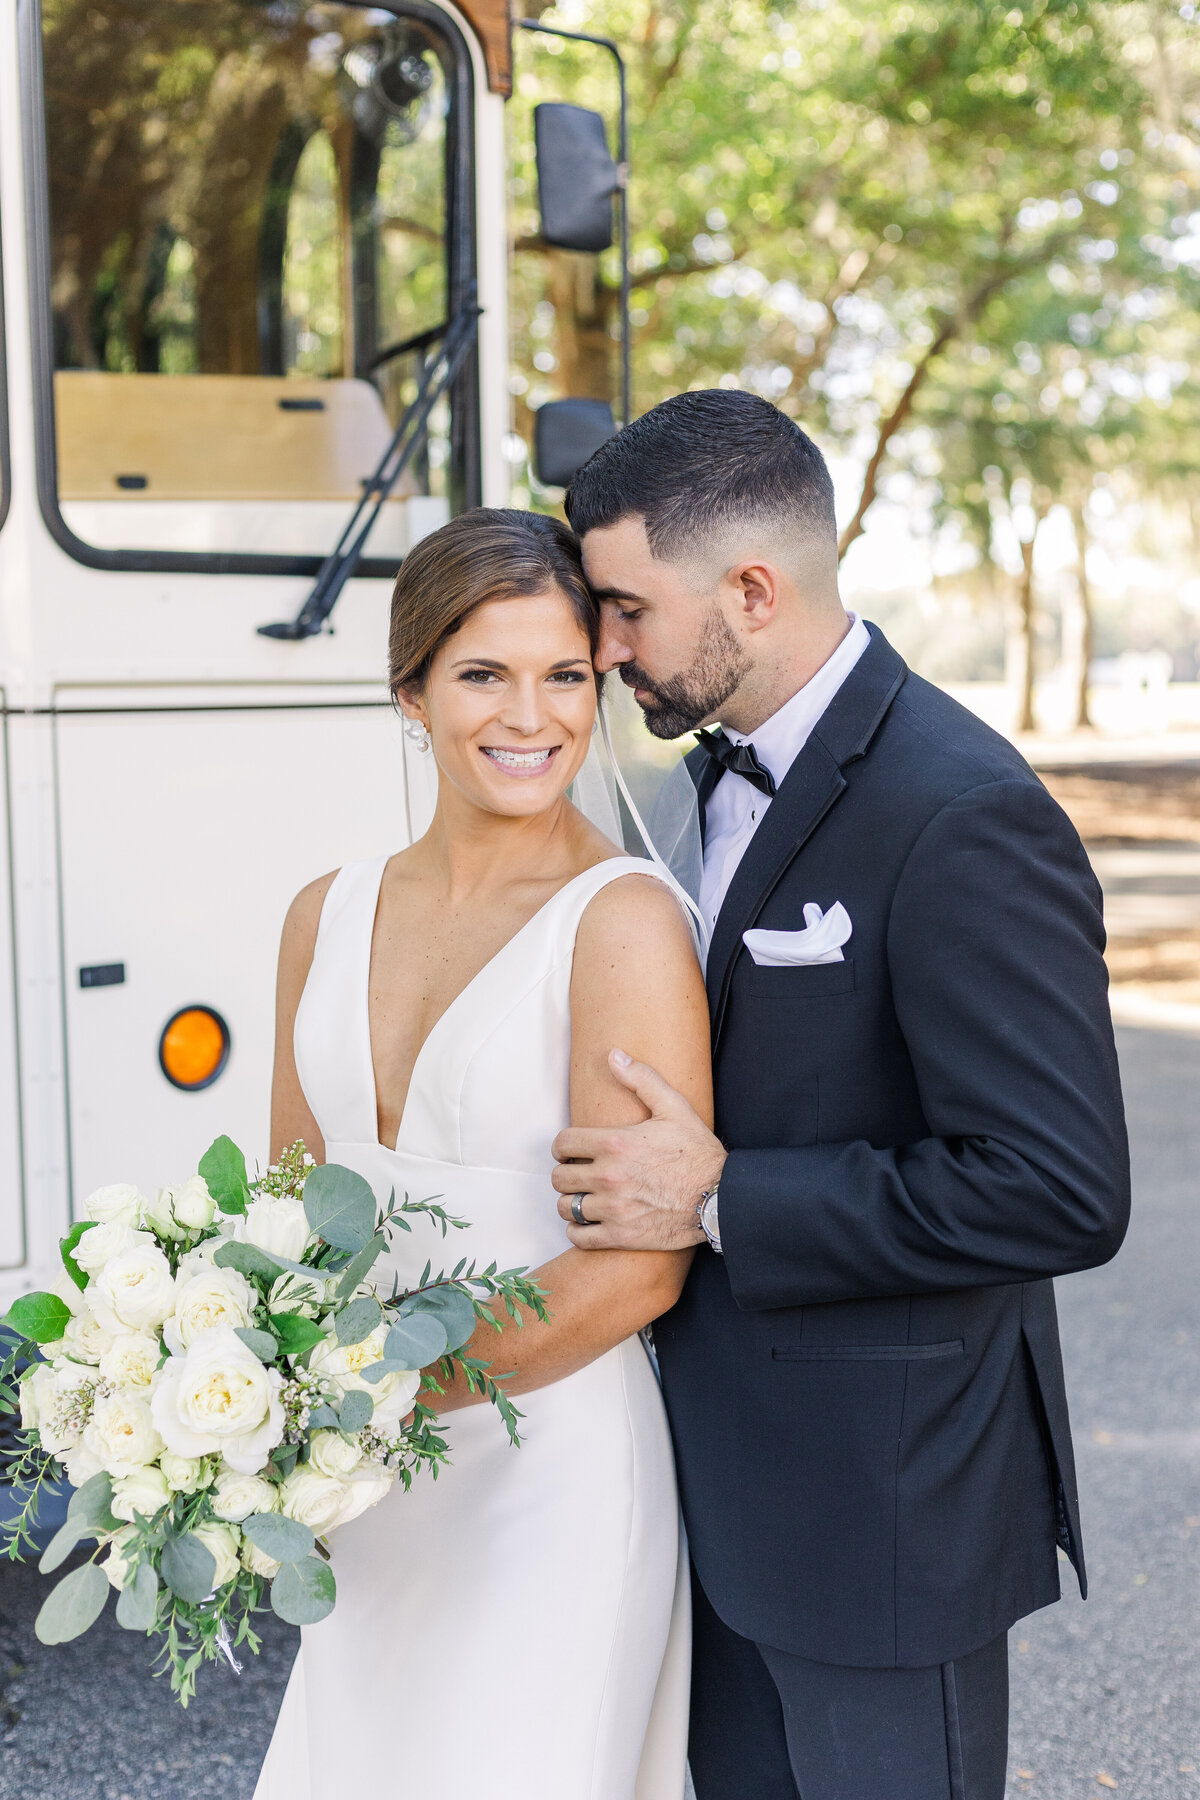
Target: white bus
point(251, 251)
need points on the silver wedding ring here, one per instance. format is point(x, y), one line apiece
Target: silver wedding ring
point(577, 1212)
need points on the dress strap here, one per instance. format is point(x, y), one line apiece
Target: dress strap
point(332, 1034)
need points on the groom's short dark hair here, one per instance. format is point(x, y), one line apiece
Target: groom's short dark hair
point(700, 464)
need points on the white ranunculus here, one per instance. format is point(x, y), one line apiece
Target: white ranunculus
point(222, 1541)
point(80, 1465)
point(197, 1260)
point(130, 1360)
point(99, 1245)
point(235, 1497)
point(145, 1492)
point(85, 1338)
point(344, 1364)
point(219, 1397)
point(122, 1434)
point(135, 1287)
point(333, 1454)
point(121, 1200)
point(193, 1205)
point(370, 1483)
point(314, 1499)
point(159, 1215)
point(116, 1564)
point(275, 1223)
point(185, 1474)
point(62, 1409)
point(213, 1297)
point(257, 1561)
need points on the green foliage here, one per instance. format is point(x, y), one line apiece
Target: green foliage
point(224, 1170)
point(73, 1606)
point(451, 1306)
point(303, 1593)
point(356, 1411)
point(295, 1333)
point(280, 1537)
point(89, 1514)
point(357, 1320)
point(40, 1318)
point(188, 1567)
point(249, 1261)
point(67, 1247)
point(137, 1603)
point(411, 1344)
point(263, 1343)
point(339, 1206)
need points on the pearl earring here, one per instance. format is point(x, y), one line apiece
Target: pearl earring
point(416, 733)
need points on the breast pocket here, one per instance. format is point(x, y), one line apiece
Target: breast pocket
point(804, 981)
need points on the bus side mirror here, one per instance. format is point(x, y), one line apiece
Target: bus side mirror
point(577, 177)
point(565, 434)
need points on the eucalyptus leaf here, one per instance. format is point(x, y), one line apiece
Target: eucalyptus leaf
point(188, 1568)
point(67, 1247)
point(285, 1457)
point(452, 1307)
point(295, 1333)
point(278, 1536)
point(379, 1371)
point(137, 1603)
point(263, 1344)
point(304, 1592)
point(223, 1168)
point(323, 1416)
point(339, 1206)
point(356, 1410)
point(91, 1504)
point(248, 1260)
point(416, 1341)
point(42, 1317)
point(62, 1544)
point(358, 1320)
point(71, 1607)
point(360, 1265)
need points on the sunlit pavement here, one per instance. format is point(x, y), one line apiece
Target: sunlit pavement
point(1108, 1689)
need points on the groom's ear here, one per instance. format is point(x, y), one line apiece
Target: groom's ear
point(756, 592)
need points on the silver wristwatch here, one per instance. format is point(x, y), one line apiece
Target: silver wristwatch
point(706, 1212)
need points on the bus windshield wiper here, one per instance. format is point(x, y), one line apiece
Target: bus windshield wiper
point(458, 337)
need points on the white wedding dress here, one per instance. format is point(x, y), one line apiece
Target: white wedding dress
point(518, 1628)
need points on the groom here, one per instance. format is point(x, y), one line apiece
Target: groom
point(919, 1125)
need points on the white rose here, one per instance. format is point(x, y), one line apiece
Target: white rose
point(145, 1492)
point(344, 1364)
point(235, 1497)
point(81, 1465)
point(185, 1474)
point(193, 1205)
point(116, 1564)
point(219, 1397)
point(275, 1223)
point(213, 1297)
point(257, 1561)
point(68, 1292)
point(332, 1454)
point(222, 1541)
point(314, 1499)
point(130, 1360)
point(122, 1434)
point(159, 1215)
point(103, 1242)
point(27, 1392)
point(365, 1487)
point(197, 1260)
point(135, 1287)
point(119, 1201)
point(85, 1338)
point(62, 1408)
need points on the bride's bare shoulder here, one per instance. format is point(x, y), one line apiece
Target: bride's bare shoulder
point(630, 923)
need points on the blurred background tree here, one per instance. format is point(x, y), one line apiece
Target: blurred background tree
point(960, 243)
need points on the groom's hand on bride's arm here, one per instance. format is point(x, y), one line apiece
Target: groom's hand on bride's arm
point(641, 1184)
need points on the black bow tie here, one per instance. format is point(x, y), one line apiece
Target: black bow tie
point(741, 758)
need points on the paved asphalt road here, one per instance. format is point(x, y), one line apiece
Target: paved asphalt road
point(1108, 1689)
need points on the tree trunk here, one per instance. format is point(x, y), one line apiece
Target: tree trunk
point(582, 310)
point(1077, 626)
point(1021, 641)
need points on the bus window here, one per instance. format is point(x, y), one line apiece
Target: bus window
point(248, 214)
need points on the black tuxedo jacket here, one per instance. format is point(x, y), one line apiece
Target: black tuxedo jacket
point(866, 1391)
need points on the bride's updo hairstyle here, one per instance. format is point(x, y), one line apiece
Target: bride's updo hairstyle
point(493, 553)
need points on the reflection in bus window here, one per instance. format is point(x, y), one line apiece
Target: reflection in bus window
point(247, 212)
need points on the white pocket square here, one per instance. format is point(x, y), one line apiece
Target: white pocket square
point(820, 942)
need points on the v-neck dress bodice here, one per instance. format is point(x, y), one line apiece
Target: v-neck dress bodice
point(526, 1613)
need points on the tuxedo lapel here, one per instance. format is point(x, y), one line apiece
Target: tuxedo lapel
point(705, 773)
point(812, 785)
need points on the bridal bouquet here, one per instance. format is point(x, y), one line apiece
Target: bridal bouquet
point(220, 1381)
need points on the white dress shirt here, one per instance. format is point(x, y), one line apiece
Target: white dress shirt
point(735, 808)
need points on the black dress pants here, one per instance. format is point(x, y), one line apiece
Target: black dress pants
point(770, 1726)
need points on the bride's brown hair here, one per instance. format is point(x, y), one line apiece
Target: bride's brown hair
point(493, 553)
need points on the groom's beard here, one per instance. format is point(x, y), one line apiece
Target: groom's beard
point(683, 701)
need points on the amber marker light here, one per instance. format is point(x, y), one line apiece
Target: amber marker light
point(193, 1048)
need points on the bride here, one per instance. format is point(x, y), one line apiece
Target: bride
point(518, 1628)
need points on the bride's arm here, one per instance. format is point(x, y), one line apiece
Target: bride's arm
point(636, 986)
point(291, 1116)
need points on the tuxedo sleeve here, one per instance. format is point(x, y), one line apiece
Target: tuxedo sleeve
point(995, 957)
